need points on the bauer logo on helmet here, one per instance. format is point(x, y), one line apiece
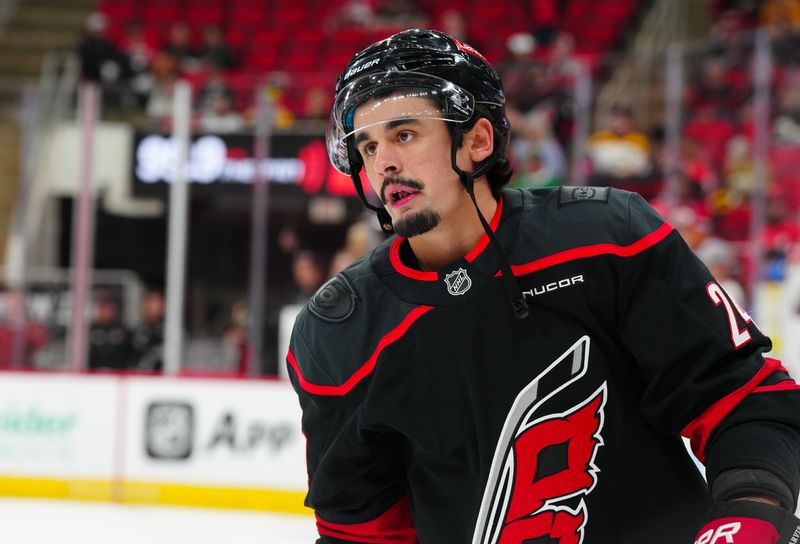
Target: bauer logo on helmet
point(356, 69)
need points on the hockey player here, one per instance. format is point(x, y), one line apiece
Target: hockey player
point(524, 373)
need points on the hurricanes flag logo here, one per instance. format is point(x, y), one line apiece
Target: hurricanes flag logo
point(544, 463)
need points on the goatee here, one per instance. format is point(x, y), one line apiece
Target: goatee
point(416, 223)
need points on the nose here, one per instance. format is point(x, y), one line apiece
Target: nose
point(387, 160)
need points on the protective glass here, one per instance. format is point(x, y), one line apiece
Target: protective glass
point(397, 94)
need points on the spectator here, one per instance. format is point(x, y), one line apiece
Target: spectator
point(785, 39)
point(179, 47)
point(360, 239)
point(103, 63)
point(720, 258)
point(709, 132)
point(524, 78)
point(790, 316)
point(221, 118)
point(400, 13)
point(545, 16)
point(109, 339)
point(730, 204)
point(781, 234)
point(738, 166)
point(351, 14)
point(531, 170)
point(235, 344)
point(697, 168)
point(539, 158)
point(317, 104)
point(215, 51)
point(214, 85)
point(140, 53)
point(453, 22)
point(620, 151)
point(786, 125)
point(288, 239)
point(165, 75)
point(780, 12)
point(307, 274)
point(728, 39)
point(694, 227)
point(562, 63)
point(716, 90)
point(687, 193)
point(20, 338)
point(148, 336)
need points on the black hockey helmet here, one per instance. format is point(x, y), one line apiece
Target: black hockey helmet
point(427, 63)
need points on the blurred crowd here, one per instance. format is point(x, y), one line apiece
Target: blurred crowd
point(710, 194)
point(35, 336)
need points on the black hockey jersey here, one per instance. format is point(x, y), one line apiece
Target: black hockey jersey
point(433, 415)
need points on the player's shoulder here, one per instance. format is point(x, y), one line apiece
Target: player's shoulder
point(580, 215)
point(339, 327)
point(339, 302)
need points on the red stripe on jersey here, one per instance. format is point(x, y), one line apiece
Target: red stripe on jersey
point(392, 527)
point(593, 251)
point(699, 430)
point(366, 368)
point(397, 263)
point(401, 268)
point(787, 385)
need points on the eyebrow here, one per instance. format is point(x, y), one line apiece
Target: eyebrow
point(389, 125)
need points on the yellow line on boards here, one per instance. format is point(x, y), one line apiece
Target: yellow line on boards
point(271, 500)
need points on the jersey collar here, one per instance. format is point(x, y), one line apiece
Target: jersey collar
point(460, 281)
point(419, 275)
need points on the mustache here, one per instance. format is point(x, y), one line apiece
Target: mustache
point(404, 182)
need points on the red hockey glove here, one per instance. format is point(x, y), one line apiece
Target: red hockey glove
point(749, 522)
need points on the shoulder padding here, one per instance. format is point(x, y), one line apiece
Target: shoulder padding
point(335, 301)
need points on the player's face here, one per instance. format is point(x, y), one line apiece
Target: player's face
point(407, 161)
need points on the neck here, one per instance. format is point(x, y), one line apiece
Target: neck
point(455, 236)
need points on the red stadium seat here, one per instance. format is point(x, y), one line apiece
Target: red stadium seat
point(162, 10)
point(262, 60)
point(299, 60)
point(711, 135)
point(205, 15)
point(119, 12)
point(248, 13)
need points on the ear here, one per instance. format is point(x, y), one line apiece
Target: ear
point(479, 140)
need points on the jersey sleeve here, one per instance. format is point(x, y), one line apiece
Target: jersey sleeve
point(702, 358)
point(356, 479)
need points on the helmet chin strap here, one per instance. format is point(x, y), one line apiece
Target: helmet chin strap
point(384, 218)
point(518, 303)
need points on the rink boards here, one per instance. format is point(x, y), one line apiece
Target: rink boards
point(158, 440)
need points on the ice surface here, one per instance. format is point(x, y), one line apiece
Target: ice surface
point(28, 521)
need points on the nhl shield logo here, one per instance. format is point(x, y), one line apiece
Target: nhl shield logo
point(458, 282)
